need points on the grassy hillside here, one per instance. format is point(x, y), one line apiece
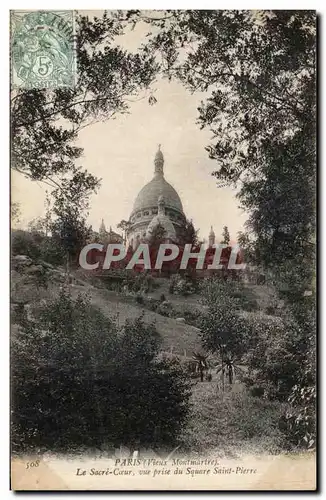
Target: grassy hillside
point(232, 422)
point(28, 290)
point(229, 422)
point(179, 336)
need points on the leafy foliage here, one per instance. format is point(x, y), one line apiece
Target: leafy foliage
point(299, 423)
point(37, 246)
point(15, 212)
point(258, 69)
point(80, 380)
point(124, 225)
point(189, 234)
point(225, 235)
point(181, 285)
point(68, 214)
point(224, 329)
point(157, 237)
point(45, 123)
point(281, 365)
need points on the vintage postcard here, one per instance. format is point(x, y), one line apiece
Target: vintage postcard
point(163, 241)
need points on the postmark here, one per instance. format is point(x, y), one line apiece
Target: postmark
point(43, 51)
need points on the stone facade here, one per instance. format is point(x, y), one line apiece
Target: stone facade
point(157, 203)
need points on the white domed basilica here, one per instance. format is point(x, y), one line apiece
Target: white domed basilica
point(157, 204)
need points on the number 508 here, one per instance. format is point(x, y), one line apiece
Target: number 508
point(29, 465)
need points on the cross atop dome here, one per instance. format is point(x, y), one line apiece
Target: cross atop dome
point(159, 162)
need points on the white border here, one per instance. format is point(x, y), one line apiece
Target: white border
point(320, 6)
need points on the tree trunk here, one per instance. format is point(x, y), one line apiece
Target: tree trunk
point(67, 268)
point(231, 374)
point(222, 370)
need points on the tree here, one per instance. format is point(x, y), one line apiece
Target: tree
point(258, 68)
point(277, 354)
point(157, 237)
point(15, 213)
point(189, 234)
point(229, 369)
point(124, 225)
point(246, 247)
point(81, 380)
point(201, 363)
point(45, 122)
point(225, 236)
point(69, 211)
point(224, 330)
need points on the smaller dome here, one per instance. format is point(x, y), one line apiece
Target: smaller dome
point(211, 233)
point(163, 221)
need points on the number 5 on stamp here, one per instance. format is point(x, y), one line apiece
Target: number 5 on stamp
point(43, 53)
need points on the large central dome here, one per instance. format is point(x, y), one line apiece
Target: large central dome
point(146, 214)
point(150, 193)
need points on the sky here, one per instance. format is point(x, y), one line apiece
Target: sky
point(121, 152)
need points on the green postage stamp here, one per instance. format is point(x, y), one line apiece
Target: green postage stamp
point(43, 52)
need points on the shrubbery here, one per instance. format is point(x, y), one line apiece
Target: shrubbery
point(280, 369)
point(137, 282)
point(24, 243)
point(78, 379)
point(272, 360)
point(37, 246)
point(181, 286)
point(278, 353)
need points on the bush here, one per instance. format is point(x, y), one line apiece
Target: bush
point(139, 299)
point(165, 309)
point(299, 422)
point(137, 282)
point(192, 317)
point(181, 286)
point(80, 380)
point(37, 247)
point(173, 281)
point(276, 356)
point(23, 243)
point(52, 252)
point(151, 303)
